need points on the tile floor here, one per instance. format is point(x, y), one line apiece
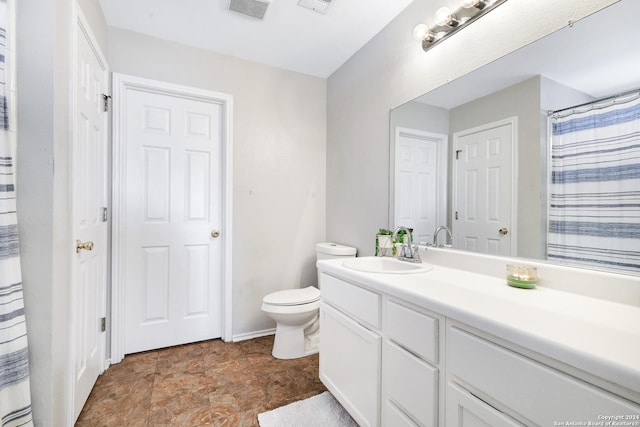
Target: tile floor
point(211, 383)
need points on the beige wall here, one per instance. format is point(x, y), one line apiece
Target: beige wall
point(392, 69)
point(43, 87)
point(416, 115)
point(279, 162)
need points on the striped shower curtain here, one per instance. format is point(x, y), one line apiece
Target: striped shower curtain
point(594, 205)
point(15, 400)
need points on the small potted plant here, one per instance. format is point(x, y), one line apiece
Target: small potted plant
point(383, 242)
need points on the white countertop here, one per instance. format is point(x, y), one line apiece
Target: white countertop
point(594, 335)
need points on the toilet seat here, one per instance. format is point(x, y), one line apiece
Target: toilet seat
point(293, 296)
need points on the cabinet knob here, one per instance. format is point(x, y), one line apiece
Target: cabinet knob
point(215, 234)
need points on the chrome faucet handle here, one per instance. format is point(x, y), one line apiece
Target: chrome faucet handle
point(416, 254)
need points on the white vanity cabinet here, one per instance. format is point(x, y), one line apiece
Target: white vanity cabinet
point(410, 373)
point(379, 356)
point(350, 347)
point(396, 352)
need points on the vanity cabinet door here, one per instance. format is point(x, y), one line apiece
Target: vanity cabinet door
point(410, 385)
point(466, 410)
point(350, 358)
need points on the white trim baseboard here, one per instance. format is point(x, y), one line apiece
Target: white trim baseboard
point(252, 335)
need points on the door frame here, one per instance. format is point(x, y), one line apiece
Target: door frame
point(443, 152)
point(81, 26)
point(513, 121)
point(121, 83)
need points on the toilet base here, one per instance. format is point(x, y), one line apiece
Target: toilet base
point(293, 342)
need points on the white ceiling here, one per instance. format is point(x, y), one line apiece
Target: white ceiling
point(289, 37)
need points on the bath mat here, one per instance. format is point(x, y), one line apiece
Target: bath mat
point(322, 410)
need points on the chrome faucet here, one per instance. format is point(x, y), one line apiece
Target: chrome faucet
point(412, 255)
point(438, 230)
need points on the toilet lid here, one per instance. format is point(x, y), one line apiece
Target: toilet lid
point(293, 296)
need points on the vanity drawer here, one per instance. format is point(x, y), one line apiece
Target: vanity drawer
point(538, 393)
point(411, 385)
point(413, 330)
point(357, 302)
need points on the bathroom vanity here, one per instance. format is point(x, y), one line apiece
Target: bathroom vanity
point(452, 347)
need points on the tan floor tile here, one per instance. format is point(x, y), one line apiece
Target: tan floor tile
point(210, 383)
point(239, 419)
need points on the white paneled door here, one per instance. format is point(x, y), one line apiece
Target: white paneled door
point(420, 182)
point(483, 188)
point(89, 202)
point(173, 212)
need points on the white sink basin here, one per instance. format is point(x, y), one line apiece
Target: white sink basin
point(372, 264)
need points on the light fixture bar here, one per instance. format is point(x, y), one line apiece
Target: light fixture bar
point(449, 23)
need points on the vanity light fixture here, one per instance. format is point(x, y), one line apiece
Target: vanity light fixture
point(447, 22)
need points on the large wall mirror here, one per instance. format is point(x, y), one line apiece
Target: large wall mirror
point(440, 176)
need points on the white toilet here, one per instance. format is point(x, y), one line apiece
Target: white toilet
point(296, 311)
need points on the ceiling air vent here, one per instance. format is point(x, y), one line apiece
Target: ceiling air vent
point(320, 6)
point(252, 8)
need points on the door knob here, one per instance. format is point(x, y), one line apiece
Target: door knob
point(88, 246)
point(503, 231)
point(215, 233)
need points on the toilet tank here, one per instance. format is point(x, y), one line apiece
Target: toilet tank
point(330, 250)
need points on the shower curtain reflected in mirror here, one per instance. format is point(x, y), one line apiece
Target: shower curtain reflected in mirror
point(15, 400)
point(594, 192)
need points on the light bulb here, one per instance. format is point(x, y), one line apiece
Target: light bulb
point(444, 17)
point(420, 31)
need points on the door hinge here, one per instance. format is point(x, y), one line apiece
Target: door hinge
point(456, 214)
point(105, 214)
point(106, 99)
point(458, 154)
point(103, 324)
